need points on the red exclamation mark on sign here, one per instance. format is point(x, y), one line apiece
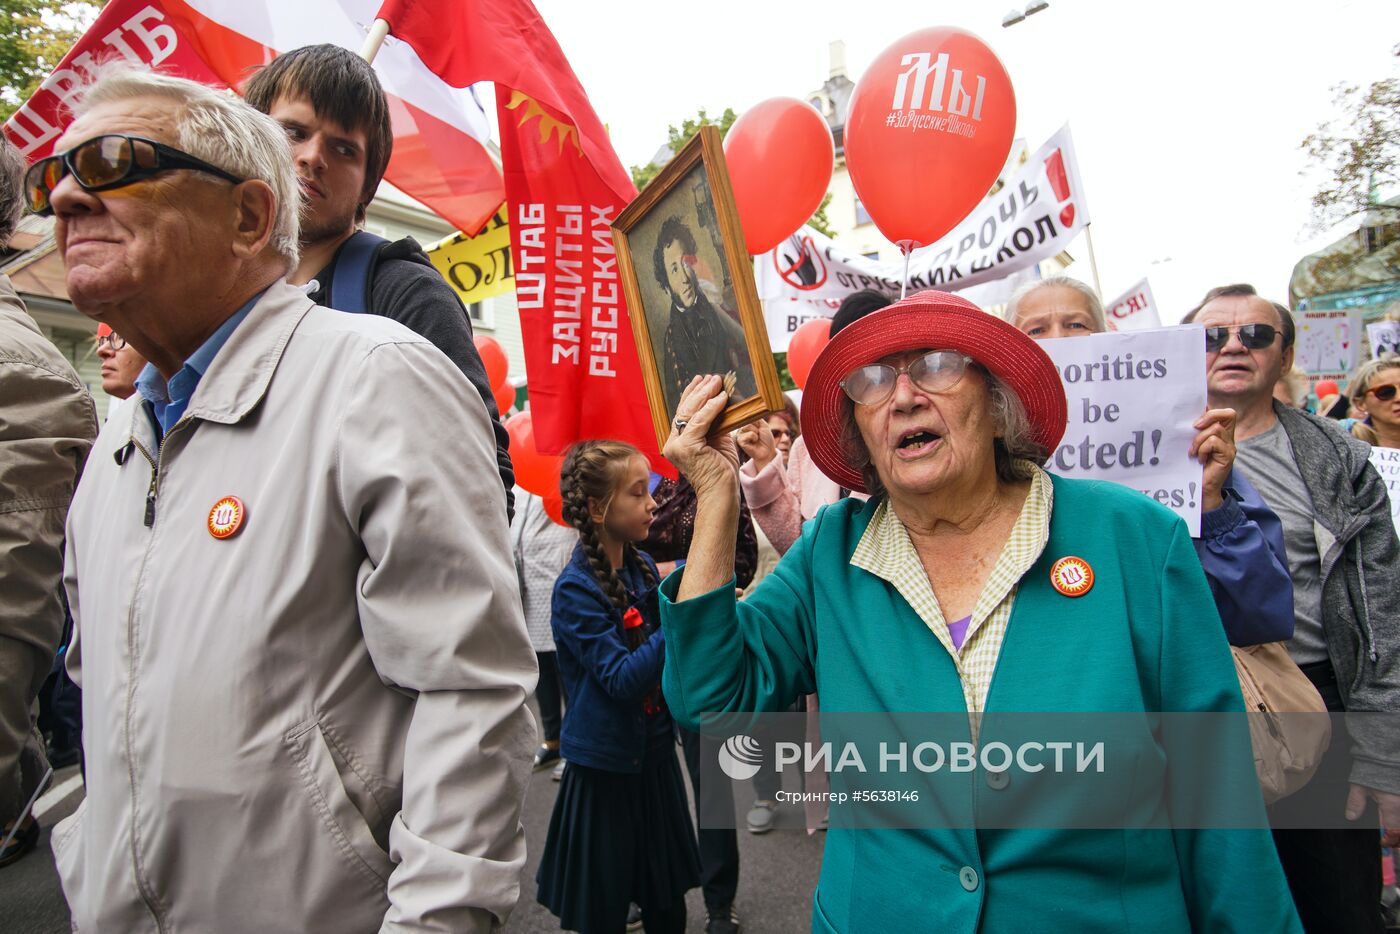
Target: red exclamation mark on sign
point(1059, 183)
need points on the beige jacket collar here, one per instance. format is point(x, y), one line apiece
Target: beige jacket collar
point(239, 376)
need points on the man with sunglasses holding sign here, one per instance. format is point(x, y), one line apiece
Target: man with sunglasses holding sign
point(1343, 555)
point(298, 626)
point(1241, 542)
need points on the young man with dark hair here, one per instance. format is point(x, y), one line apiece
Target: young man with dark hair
point(330, 102)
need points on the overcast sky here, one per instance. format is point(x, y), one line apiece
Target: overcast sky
point(1186, 114)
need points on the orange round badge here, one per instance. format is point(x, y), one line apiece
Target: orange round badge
point(1072, 576)
point(227, 516)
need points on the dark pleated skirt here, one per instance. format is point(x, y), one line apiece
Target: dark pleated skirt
point(616, 839)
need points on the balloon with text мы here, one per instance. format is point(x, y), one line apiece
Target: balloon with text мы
point(930, 126)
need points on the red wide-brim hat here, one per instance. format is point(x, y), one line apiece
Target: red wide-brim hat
point(933, 321)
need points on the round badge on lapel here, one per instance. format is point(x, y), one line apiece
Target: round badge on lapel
point(227, 516)
point(1072, 576)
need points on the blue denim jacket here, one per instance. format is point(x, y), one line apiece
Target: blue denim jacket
point(606, 724)
point(1241, 551)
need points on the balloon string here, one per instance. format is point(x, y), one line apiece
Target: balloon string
point(904, 283)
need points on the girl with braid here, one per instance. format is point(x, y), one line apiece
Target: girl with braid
point(621, 831)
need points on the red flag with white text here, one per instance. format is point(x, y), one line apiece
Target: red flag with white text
point(440, 133)
point(565, 186)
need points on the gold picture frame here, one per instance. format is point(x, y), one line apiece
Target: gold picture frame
point(688, 280)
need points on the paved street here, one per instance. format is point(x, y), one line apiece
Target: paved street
point(777, 876)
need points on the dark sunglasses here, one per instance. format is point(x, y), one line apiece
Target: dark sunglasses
point(1384, 393)
point(1252, 336)
point(106, 162)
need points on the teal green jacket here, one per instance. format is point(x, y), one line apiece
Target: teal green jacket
point(1146, 637)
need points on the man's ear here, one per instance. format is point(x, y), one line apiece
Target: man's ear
point(256, 206)
point(1288, 354)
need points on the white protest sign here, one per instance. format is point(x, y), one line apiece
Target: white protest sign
point(1384, 337)
point(1134, 310)
point(1133, 399)
point(1034, 216)
point(1387, 462)
point(785, 316)
point(1329, 344)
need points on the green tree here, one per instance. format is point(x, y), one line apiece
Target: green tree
point(1359, 152)
point(677, 136)
point(819, 221)
point(34, 37)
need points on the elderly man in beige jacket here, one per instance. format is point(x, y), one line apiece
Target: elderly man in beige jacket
point(47, 423)
point(299, 628)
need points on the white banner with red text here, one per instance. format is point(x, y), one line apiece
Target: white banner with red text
point(1134, 310)
point(1034, 216)
point(440, 132)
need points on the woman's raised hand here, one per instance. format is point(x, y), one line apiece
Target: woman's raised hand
point(756, 438)
point(709, 460)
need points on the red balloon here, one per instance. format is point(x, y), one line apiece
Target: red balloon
point(1325, 388)
point(930, 127)
point(807, 341)
point(493, 358)
point(505, 397)
point(554, 508)
point(780, 156)
point(536, 472)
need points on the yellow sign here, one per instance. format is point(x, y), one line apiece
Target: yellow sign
point(477, 267)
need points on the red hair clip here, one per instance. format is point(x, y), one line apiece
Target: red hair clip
point(632, 618)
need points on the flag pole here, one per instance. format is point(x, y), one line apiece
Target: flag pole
point(1093, 263)
point(377, 31)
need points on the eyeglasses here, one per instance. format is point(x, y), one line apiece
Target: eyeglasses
point(113, 340)
point(935, 371)
point(1252, 336)
point(107, 162)
point(1384, 393)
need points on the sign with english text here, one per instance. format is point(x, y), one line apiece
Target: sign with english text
point(1134, 398)
point(1037, 212)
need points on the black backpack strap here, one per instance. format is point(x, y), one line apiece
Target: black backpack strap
point(353, 264)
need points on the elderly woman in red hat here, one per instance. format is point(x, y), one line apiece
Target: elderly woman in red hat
point(970, 581)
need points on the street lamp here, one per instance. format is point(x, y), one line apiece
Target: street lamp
point(1015, 16)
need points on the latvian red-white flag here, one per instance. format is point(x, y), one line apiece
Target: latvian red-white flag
point(565, 186)
point(440, 131)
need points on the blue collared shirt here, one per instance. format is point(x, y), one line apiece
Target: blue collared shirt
point(167, 402)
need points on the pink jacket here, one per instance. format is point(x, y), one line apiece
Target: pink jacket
point(781, 503)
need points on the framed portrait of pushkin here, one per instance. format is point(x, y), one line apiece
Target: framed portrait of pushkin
point(690, 290)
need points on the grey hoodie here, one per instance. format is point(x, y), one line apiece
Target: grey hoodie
point(1360, 586)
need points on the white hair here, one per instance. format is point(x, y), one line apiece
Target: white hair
point(11, 188)
point(220, 129)
point(1091, 298)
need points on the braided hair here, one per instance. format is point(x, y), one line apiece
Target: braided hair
point(591, 470)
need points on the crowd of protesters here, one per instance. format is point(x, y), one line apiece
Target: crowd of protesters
point(306, 609)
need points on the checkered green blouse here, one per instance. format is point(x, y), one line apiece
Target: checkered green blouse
point(886, 551)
